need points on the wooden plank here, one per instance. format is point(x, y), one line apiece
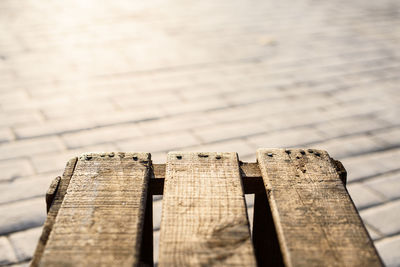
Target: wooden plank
point(51, 192)
point(53, 208)
point(251, 177)
point(316, 221)
point(204, 217)
point(100, 221)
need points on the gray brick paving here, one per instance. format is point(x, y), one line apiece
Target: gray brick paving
point(389, 249)
point(7, 254)
point(12, 169)
point(208, 75)
point(384, 218)
point(24, 242)
point(363, 196)
point(22, 215)
point(387, 185)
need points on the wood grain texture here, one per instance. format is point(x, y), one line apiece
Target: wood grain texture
point(204, 218)
point(251, 178)
point(53, 209)
point(51, 192)
point(100, 221)
point(316, 221)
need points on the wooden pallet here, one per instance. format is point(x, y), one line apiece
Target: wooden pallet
point(100, 212)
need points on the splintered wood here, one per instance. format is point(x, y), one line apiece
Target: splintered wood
point(204, 219)
point(316, 221)
point(101, 217)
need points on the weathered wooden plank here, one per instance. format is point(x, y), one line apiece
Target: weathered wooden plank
point(51, 192)
point(100, 221)
point(53, 208)
point(251, 177)
point(316, 221)
point(204, 218)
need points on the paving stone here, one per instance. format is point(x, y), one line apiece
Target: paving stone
point(363, 197)
point(146, 99)
point(391, 137)
point(24, 242)
point(9, 119)
point(373, 233)
point(347, 126)
point(22, 215)
point(157, 207)
point(80, 123)
point(53, 127)
point(23, 148)
point(156, 245)
point(26, 187)
point(55, 162)
point(22, 264)
point(388, 249)
point(288, 138)
point(369, 165)
point(6, 135)
point(88, 108)
point(157, 143)
point(175, 123)
point(230, 131)
point(350, 146)
point(391, 115)
point(7, 255)
point(12, 169)
point(101, 135)
point(194, 106)
point(159, 157)
point(384, 217)
point(387, 185)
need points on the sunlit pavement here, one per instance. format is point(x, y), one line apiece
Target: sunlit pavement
point(156, 76)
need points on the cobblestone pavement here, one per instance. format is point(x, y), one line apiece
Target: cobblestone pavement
point(164, 75)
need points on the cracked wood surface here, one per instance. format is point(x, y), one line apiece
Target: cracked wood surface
point(204, 218)
point(316, 221)
point(100, 221)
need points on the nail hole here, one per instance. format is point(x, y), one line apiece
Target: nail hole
point(135, 158)
point(311, 151)
point(302, 152)
point(288, 152)
point(297, 157)
point(203, 155)
point(218, 157)
point(179, 157)
point(88, 157)
point(317, 154)
point(269, 154)
point(111, 155)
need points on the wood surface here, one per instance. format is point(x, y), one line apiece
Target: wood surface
point(53, 208)
point(315, 219)
point(100, 221)
point(51, 192)
point(251, 178)
point(204, 218)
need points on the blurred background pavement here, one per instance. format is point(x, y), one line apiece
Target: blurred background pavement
point(161, 75)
